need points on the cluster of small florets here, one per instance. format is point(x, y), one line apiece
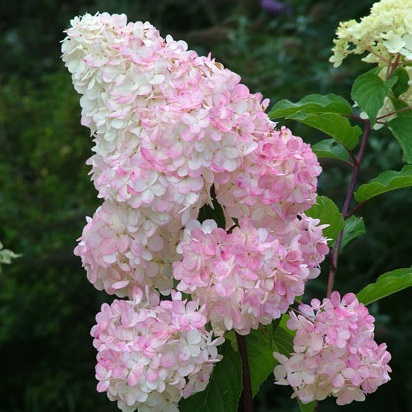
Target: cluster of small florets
point(152, 352)
point(122, 248)
point(335, 353)
point(174, 132)
point(385, 34)
point(165, 120)
point(249, 276)
point(277, 180)
point(168, 125)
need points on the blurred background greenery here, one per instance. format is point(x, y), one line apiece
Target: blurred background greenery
point(47, 306)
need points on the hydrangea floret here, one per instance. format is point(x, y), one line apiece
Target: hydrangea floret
point(335, 353)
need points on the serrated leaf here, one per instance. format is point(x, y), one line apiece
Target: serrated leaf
point(330, 149)
point(332, 124)
point(328, 213)
point(401, 128)
point(260, 355)
point(369, 92)
point(385, 182)
point(313, 103)
point(223, 391)
point(354, 227)
point(386, 285)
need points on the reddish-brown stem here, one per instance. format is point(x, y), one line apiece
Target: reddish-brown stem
point(392, 67)
point(379, 119)
point(356, 208)
point(334, 256)
point(247, 386)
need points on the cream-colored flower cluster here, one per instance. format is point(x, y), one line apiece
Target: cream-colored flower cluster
point(385, 34)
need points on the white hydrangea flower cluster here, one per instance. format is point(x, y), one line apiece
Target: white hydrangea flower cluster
point(385, 34)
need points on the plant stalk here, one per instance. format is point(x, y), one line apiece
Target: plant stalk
point(247, 386)
point(334, 257)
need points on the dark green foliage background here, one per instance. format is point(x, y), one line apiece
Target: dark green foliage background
point(47, 306)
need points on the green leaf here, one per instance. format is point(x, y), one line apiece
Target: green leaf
point(328, 213)
point(385, 182)
point(323, 112)
point(223, 391)
point(332, 124)
point(401, 128)
point(282, 341)
point(313, 103)
point(386, 284)
point(369, 92)
point(260, 356)
point(354, 227)
point(402, 84)
point(330, 149)
point(283, 321)
point(306, 407)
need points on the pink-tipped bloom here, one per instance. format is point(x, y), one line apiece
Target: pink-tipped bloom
point(335, 353)
point(168, 125)
point(164, 119)
point(122, 248)
point(278, 179)
point(152, 353)
point(249, 276)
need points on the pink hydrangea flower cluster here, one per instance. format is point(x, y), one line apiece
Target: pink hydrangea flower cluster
point(164, 119)
point(335, 353)
point(168, 125)
point(151, 353)
point(122, 248)
point(248, 276)
point(276, 181)
point(174, 132)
